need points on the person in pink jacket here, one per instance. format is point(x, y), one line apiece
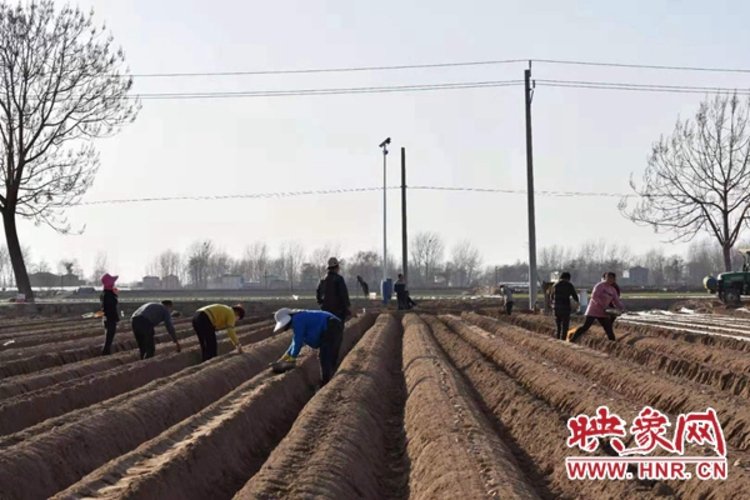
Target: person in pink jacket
point(602, 297)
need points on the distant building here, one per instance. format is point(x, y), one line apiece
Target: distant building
point(636, 276)
point(170, 282)
point(152, 283)
point(227, 282)
point(52, 280)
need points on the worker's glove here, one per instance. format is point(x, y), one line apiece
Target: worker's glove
point(284, 364)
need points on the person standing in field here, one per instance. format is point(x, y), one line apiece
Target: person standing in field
point(317, 329)
point(332, 294)
point(603, 295)
point(562, 293)
point(507, 294)
point(145, 319)
point(207, 320)
point(110, 310)
point(365, 287)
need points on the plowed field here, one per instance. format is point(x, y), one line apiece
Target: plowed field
point(423, 406)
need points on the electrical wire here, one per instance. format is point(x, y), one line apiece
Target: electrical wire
point(323, 192)
point(454, 64)
point(350, 69)
point(640, 87)
point(662, 67)
point(326, 91)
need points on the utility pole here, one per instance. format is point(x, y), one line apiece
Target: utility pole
point(404, 240)
point(528, 96)
point(384, 146)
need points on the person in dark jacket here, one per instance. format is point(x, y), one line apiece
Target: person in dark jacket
point(145, 319)
point(562, 293)
point(332, 294)
point(365, 287)
point(402, 294)
point(111, 313)
point(317, 329)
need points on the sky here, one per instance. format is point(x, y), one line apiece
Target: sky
point(584, 140)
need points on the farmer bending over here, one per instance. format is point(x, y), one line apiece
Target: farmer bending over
point(145, 319)
point(216, 317)
point(317, 329)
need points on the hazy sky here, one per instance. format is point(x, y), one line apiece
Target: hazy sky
point(584, 140)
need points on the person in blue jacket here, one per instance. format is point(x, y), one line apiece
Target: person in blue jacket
point(317, 329)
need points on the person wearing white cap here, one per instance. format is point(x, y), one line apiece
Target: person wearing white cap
point(317, 329)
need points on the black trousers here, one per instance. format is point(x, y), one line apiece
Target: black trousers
point(401, 300)
point(144, 336)
point(330, 345)
point(110, 328)
point(206, 333)
point(509, 308)
point(562, 321)
point(606, 323)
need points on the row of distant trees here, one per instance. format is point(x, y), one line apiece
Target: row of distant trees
point(432, 264)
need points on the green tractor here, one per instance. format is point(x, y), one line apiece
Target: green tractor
point(731, 286)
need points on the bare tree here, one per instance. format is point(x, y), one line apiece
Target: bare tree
point(62, 85)
point(198, 262)
point(220, 264)
point(41, 267)
point(427, 252)
point(101, 266)
point(6, 268)
point(319, 257)
point(466, 261)
point(169, 263)
point(257, 259)
point(698, 179)
point(292, 255)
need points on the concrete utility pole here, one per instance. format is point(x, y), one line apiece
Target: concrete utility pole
point(528, 95)
point(404, 240)
point(384, 145)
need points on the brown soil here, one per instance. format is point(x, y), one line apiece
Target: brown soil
point(428, 406)
point(30, 408)
point(452, 449)
point(261, 411)
point(625, 382)
point(337, 447)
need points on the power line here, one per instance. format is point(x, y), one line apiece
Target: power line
point(349, 69)
point(453, 64)
point(642, 66)
point(280, 194)
point(324, 192)
point(326, 91)
point(640, 87)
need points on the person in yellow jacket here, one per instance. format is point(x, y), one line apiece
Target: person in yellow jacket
point(207, 320)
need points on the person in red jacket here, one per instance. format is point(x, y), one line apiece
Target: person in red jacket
point(602, 297)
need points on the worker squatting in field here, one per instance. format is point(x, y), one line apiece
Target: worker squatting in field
point(207, 320)
point(145, 319)
point(604, 297)
point(317, 329)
